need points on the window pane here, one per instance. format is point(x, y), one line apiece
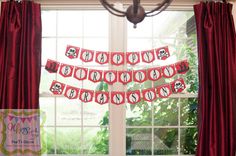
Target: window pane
point(48, 49)
point(144, 29)
point(70, 23)
point(165, 141)
point(48, 140)
point(47, 106)
point(166, 112)
point(68, 112)
point(138, 141)
point(68, 140)
point(96, 140)
point(48, 23)
point(188, 140)
point(188, 112)
point(45, 81)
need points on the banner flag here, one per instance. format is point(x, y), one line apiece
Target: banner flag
point(162, 53)
point(72, 51)
point(125, 76)
point(182, 67)
point(101, 97)
point(149, 94)
point(80, 73)
point(168, 71)
point(86, 55)
point(102, 57)
point(57, 88)
point(148, 56)
point(110, 76)
point(52, 66)
point(71, 92)
point(140, 75)
point(118, 98)
point(117, 58)
point(66, 70)
point(164, 91)
point(178, 85)
point(132, 58)
point(133, 97)
point(86, 95)
point(95, 75)
point(154, 73)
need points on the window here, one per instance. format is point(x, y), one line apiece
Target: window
point(163, 127)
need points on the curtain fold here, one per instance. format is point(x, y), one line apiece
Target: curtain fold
point(216, 52)
point(20, 55)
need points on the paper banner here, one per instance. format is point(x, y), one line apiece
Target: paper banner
point(52, 66)
point(101, 97)
point(148, 56)
point(162, 53)
point(168, 71)
point(71, 92)
point(178, 86)
point(154, 73)
point(72, 51)
point(125, 76)
point(133, 97)
point(95, 75)
point(149, 94)
point(132, 58)
point(182, 67)
point(86, 95)
point(80, 73)
point(118, 98)
point(66, 70)
point(164, 91)
point(117, 58)
point(140, 76)
point(110, 76)
point(86, 55)
point(57, 88)
point(102, 57)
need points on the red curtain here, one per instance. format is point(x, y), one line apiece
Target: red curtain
point(216, 52)
point(20, 55)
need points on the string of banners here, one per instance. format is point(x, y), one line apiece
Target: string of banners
point(117, 58)
point(117, 97)
point(112, 76)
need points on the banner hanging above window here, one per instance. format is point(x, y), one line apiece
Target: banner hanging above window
point(117, 58)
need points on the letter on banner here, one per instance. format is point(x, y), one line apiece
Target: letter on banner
point(52, 66)
point(86, 95)
point(102, 57)
point(95, 75)
point(118, 98)
point(163, 53)
point(110, 76)
point(140, 75)
point(101, 97)
point(57, 88)
point(117, 58)
point(132, 58)
point(71, 92)
point(154, 74)
point(86, 55)
point(182, 67)
point(66, 70)
point(72, 51)
point(125, 76)
point(133, 97)
point(80, 73)
point(168, 71)
point(148, 56)
point(178, 85)
point(149, 94)
point(164, 91)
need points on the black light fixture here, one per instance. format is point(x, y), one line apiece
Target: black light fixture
point(135, 13)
